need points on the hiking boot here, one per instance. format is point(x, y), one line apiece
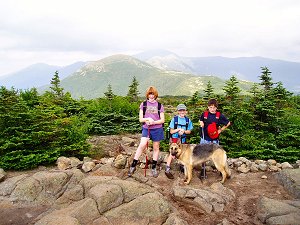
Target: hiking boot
point(169, 175)
point(154, 173)
point(131, 171)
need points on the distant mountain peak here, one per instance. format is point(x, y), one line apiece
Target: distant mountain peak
point(146, 55)
point(116, 59)
point(105, 64)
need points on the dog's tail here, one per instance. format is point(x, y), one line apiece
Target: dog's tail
point(227, 169)
point(228, 172)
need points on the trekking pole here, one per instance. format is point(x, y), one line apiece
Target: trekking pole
point(146, 165)
point(203, 164)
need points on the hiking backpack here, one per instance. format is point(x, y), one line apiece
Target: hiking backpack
point(176, 122)
point(187, 121)
point(212, 128)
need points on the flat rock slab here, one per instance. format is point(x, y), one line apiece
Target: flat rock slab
point(12, 215)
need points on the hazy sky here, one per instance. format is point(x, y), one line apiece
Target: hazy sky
point(61, 32)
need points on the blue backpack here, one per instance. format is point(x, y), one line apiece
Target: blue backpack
point(187, 121)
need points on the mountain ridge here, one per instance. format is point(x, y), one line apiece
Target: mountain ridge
point(159, 68)
point(244, 68)
point(92, 80)
point(37, 75)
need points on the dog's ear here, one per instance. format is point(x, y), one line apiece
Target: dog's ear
point(178, 141)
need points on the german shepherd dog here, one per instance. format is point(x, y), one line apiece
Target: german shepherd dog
point(191, 155)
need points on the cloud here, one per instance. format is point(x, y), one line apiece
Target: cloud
point(64, 31)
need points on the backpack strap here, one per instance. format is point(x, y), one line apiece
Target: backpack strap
point(218, 115)
point(158, 108)
point(187, 121)
point(205, 115)
point(144, 107)
point(175, 122)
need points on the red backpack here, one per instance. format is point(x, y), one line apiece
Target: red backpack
point(212, 128)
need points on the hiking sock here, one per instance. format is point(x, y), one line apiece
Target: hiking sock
point(154, 162)
point(134, 163)
point(168, 169)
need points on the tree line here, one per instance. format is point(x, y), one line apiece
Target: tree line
point(35, 129)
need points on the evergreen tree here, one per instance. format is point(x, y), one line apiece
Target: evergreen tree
point(231, 89)
point(195, 98)
point(133, 92)
point(35, 130)
point(209, 91)
point(254, 90)
point(280, 98)
point(266, 79)
point(10, 108)
point(56, 89)
point(280, 92)
point(266, 111)
point(109, 95)
point(30, 97)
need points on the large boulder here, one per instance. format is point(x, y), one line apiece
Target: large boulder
point(273, 211)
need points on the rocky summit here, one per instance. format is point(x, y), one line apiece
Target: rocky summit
point(98, 191)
